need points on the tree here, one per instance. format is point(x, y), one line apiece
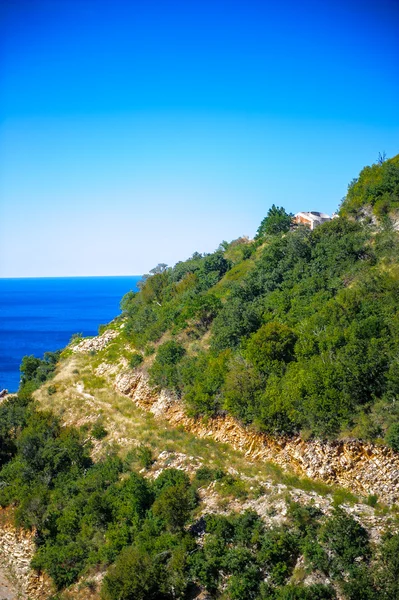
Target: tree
point(173, 506)
point(392, 437)
point(381, 157)
point(346, 540)
point(276, 221)
point(270, 347)
point(164, 372)
point(134, 576)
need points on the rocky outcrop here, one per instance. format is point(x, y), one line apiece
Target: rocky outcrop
point(16, 552)
point(95, 344)
point(362, 468)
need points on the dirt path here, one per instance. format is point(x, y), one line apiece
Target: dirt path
point(7, 590)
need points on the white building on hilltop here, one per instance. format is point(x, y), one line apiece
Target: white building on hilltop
point(311, 219)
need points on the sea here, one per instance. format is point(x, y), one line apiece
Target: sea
point(41, 314)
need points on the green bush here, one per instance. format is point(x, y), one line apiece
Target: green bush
point(164, 371)
point(149, 350)
point(204, 475)
point(135, 576)
point(136, 360)
point(372, 500)
point(145, 456)
point(346, 541)
point(392, 437)
point(98, 430)
point(173, 505)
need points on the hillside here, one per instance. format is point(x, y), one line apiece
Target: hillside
point(116, 477)
point(375, 193)
point(234, 434)
point(294, 332)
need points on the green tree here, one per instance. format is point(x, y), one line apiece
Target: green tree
point(387, 567)
point(164, 372)
point(346, 540)
point(276, 221)
point(135, 576)
point(174, 505)
point(392, 437)
point(271, 347)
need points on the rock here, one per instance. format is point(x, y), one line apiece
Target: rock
point(360, 467)
point(16, 551)
point(96, 343)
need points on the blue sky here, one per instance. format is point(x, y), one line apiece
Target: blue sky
point(134, 133)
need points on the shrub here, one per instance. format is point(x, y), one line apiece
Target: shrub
point(372, 500)
point(145, 457)
point(98, 430)
point(387, 568)
point(164, 372)
point(63, 562)
point(75, 337)
point(346, 540)
point(170, 478)
point(135, 360)
point(392, 437)
point(173, 506)
point(270, 347)
point(135, 576)
point(149, 350)
point(204, 476)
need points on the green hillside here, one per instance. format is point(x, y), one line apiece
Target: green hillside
point(376, 189)
point(296, 331)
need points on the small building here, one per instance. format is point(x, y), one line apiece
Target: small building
point(311, 219)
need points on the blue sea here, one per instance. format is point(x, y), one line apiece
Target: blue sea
point(37, 315)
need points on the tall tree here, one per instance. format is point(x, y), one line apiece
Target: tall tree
point(276, 221)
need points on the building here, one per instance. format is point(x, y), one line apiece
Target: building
point(311, 219)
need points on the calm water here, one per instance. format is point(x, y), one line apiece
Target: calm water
point(37, 315)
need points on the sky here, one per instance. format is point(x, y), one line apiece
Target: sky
point(138, 132)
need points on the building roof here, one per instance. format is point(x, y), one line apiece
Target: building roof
point(313, 215)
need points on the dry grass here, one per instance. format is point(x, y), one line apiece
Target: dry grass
point(81, 398)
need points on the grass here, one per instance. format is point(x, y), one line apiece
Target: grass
point(233, 487)
point(130, 427)
point(93, 382)
point(341, 496)
point(222, 288)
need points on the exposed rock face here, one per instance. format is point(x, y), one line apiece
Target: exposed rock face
point(360, 467)
point(16, 552)
point(96, 343)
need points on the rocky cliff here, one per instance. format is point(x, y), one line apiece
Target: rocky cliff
point(360, 467)
point(16, 551)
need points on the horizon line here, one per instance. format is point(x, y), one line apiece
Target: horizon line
point(64, 276)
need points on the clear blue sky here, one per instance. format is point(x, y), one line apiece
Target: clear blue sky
point(137, 132)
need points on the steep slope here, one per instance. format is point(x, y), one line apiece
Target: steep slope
point(234, 434)
point(86, 390)
point(375, 193)
point(295, 332)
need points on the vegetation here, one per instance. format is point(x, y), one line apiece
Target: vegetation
point(35, 371)
point(294, 332)
point(136, 360)
point(147, 536)
point(303, 337)
point(98, 430)
point(276, 221)
point(376, 188)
